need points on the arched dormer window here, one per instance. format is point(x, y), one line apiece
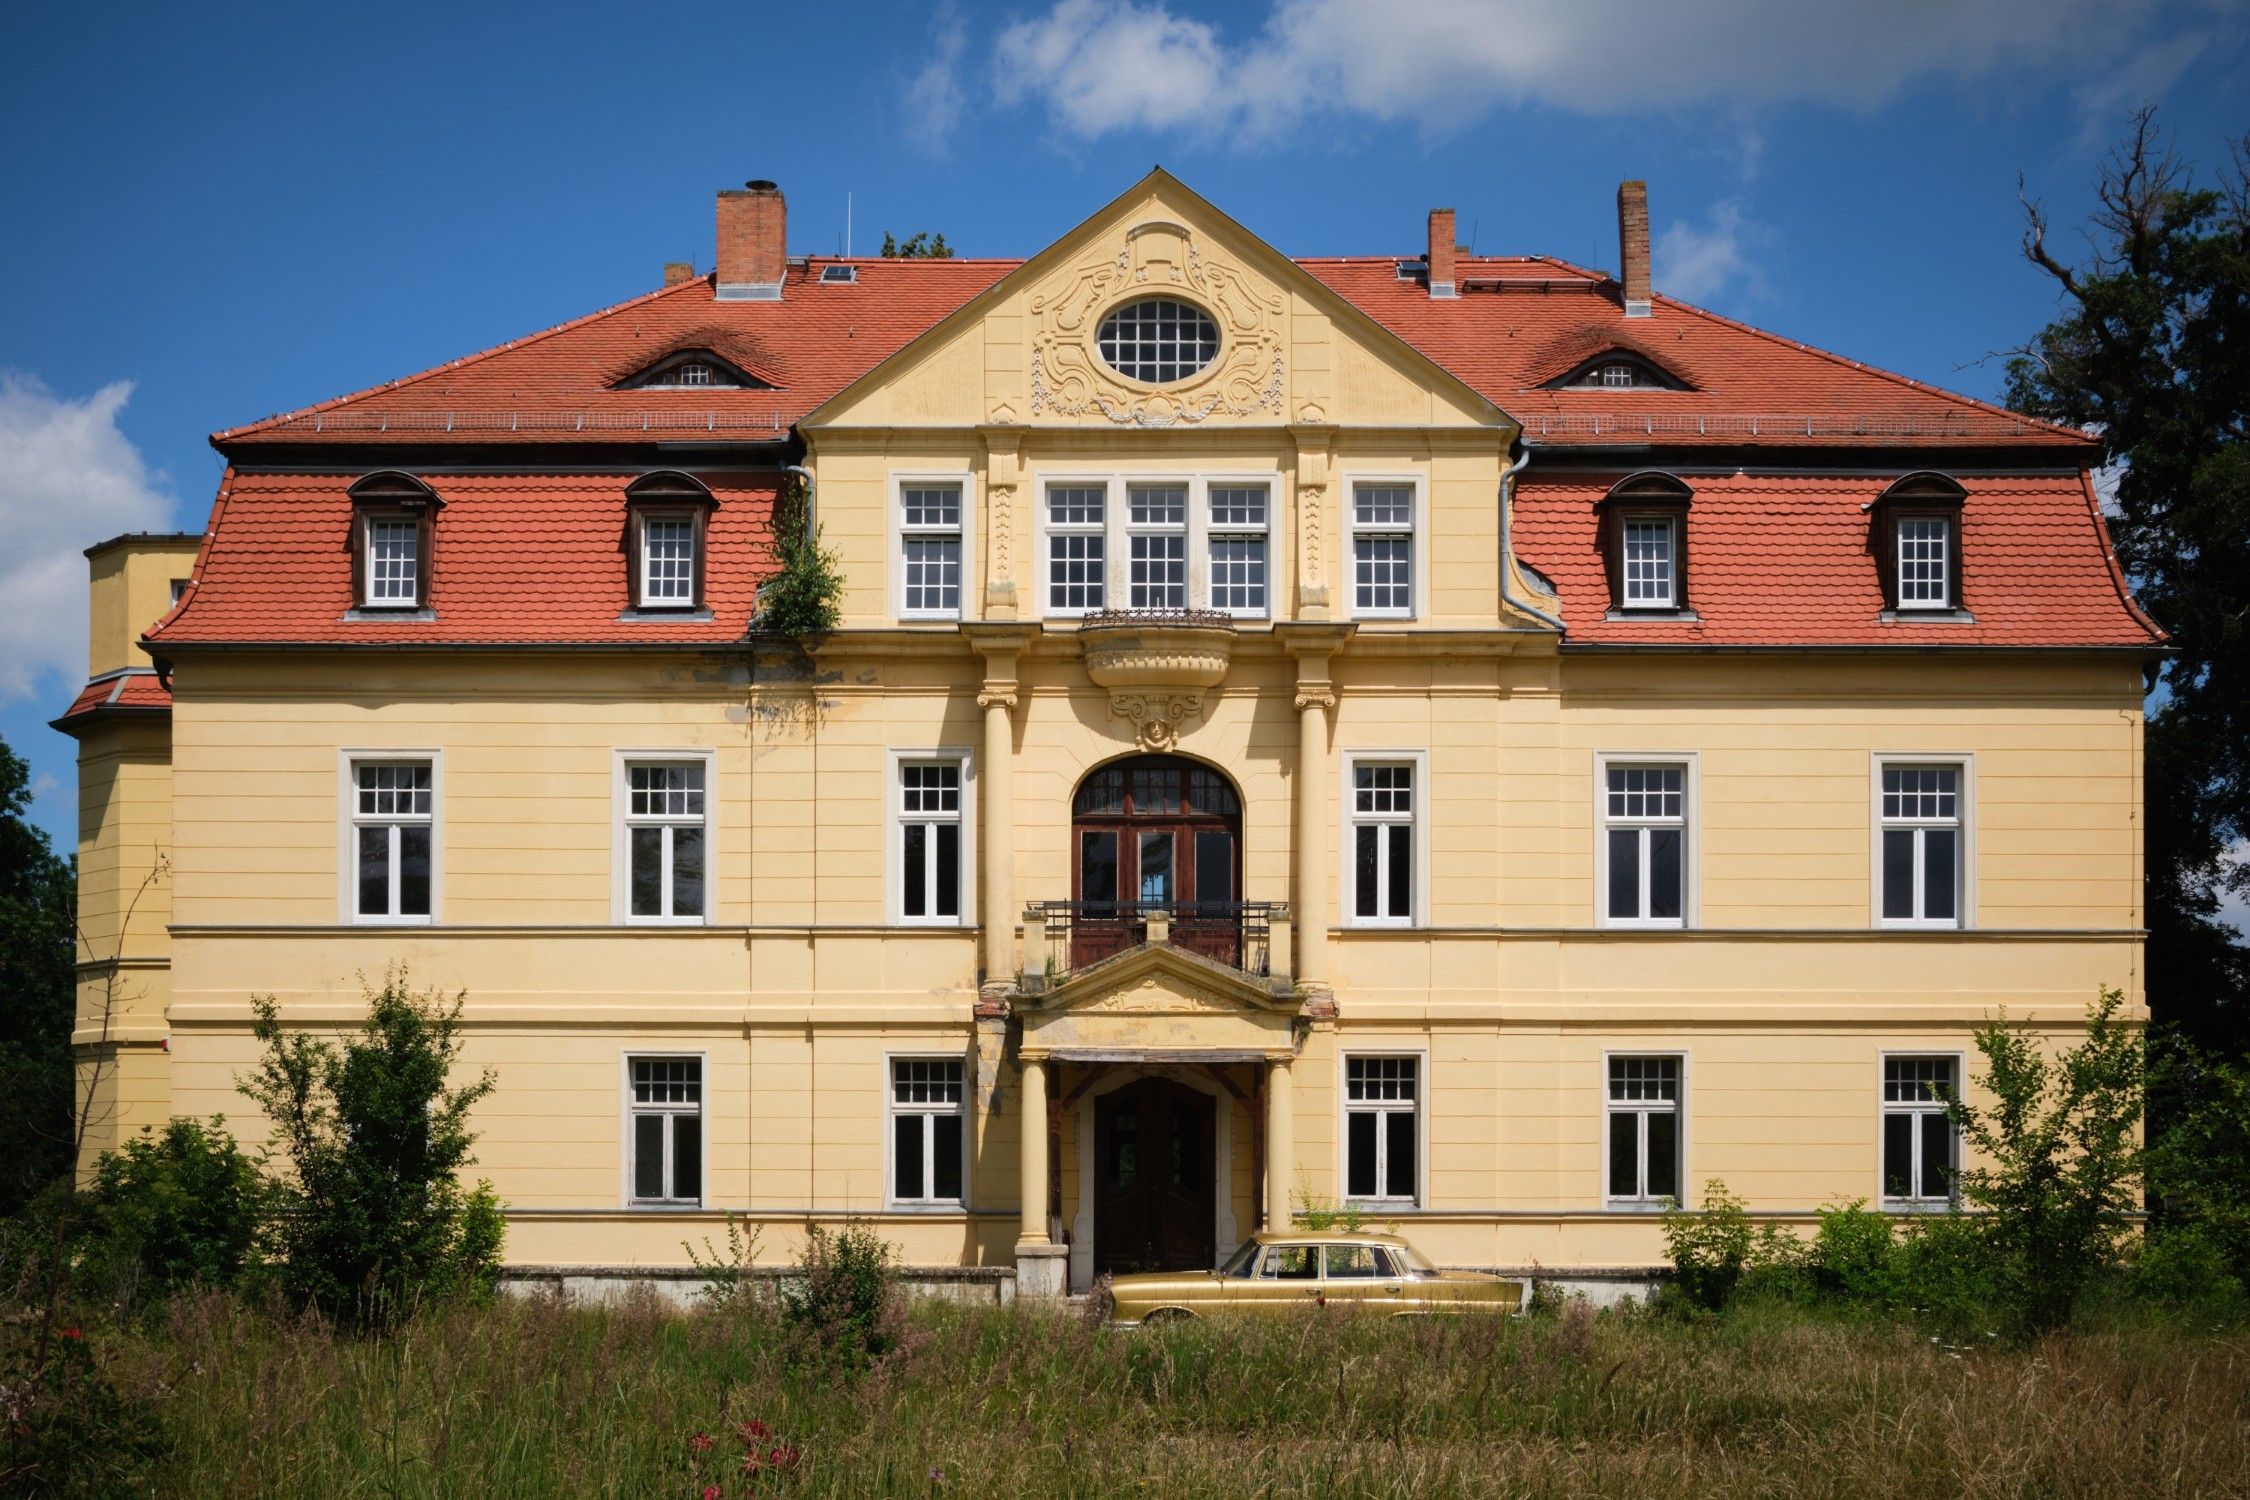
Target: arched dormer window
point(1915, 534)
point(693, 370)
point(1644, 539)
point(1617, 370)
point(393, 526)
point(667, 518)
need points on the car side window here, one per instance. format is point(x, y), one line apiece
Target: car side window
point(1351, 1262)
point(1291, 1263)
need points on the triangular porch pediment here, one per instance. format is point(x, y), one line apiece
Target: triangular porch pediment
point(1159, 998)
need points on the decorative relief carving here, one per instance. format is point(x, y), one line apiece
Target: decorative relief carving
point(1321, 696)
point(1156, 718)
point(1004, 697)
point(1069, 378)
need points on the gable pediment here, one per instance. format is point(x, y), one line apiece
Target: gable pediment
point(1158, 998)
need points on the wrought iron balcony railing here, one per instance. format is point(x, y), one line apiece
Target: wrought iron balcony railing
point(1061, 937)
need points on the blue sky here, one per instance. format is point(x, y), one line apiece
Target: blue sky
point(220, 212)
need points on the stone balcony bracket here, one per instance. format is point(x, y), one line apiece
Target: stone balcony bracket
point(1157, 665)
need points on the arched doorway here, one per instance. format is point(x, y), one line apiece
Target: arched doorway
point(1156, 832)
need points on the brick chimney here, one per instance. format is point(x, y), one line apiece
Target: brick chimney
point(677, 271)
point(1632, 246)
point(753, 243)
point(1441, 252)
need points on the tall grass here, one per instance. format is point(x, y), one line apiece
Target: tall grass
point(534, 1398)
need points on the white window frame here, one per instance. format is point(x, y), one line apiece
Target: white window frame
point(1117, 531)
point(347, 838)
point(642, 597)
point(1691, 856)
point(1420, 821)
point(1643, 1202)
point(964, 533)
point(1947, 561)
point(1420, 1057)
point(1183, 530)
point(894, 838)
point(1213, 532)
point(1886, 1108)
point(625, 1139)
point(1418, 550)
point(1966, 810)
point(621, 841)
point(413, 525)
point(1673, 525)
point(892, 1109)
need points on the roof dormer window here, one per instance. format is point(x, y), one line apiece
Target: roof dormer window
point(1916, 539)
point(694, 370)
point(1616, 370)
point(667, 523)
point(392, 522)
point(1644, 533)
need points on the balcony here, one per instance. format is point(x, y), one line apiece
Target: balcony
point(1157, 664)
point(1062, 937)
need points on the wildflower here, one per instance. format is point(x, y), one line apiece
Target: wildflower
point(937, 1475)
point(784, 1457)
point(702, 1442)
point(752, 1463)
point(753, 1431)
point(72, 1333)
point(712, 1492)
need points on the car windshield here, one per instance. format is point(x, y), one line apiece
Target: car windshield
point(1243, 1262)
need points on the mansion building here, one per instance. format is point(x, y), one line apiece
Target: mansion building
point(1467, 737)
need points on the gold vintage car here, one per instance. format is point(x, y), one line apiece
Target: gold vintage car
point(1313, 1268)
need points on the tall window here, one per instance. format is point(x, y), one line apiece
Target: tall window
point(1383, 549)
point(1921, 845)
point(1382, 1131)
point(1237, 548)
point(929, 1138)
point(929, 842)
point(1156, 539)
point(1918, 1139)
point(1650, 557)
point(393, 828)
point(667, 561)
point(394, 562)
point(1076, 546)
point(1644, 1129)
point(665, 1119)
point(664, 830)
point(1925, 564)
point(1644, 844)
point(930, 548)
point(1382, 844)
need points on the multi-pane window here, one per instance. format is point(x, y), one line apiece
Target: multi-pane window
point(1921, 845)
point(1918, 1136)
point(1156, 543)
point(1158, 339)
point(1077, 516)
point(1382, 852)
point(393, 827)
point(1925, 566)
point(930, 548)
point(667, 561)
point(1644, 833)
point(1651, 559)
point(665, 1121)
point(1644, 1129)
point(928, 1130)
point(394, 561)
point(1383, 549)
point(929, 811)
point(1236, 545)
point(1382, 1131)
point(664, 831)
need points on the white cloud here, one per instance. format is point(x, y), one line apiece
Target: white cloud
point(934, 96)
point(1698, 262)
point(1106, 65)
point(68, 478)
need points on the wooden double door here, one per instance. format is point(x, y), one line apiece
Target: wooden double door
point(1155, 1178)
point(1156, 832)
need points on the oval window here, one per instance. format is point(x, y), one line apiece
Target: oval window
point(1159, 340)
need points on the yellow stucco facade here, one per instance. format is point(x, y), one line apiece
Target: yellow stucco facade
point(1496, 976)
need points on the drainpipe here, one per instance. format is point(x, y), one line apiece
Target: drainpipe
point(812, 495)
point(1507, 548)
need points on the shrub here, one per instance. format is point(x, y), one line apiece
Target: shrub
point(375, 1216)
point(68, 1428)
point(2199, 1165)
point(1710, 1247)
point(727, 1279)
point(179, 1208)
point(845, 1300)
point(800, 599)
point(1855, 1257)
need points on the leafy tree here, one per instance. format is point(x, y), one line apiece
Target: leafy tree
point(375, 1138)
point(2152, 351)
point(801, 598)
point(2199, 1166)
point(923, 246)
point(38, 995)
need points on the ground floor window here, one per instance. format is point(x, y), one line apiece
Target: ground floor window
point(929, 1135)
point(665, 1129)
point(1644, 1130)
point(1918, 1137)
point(1382, 1128)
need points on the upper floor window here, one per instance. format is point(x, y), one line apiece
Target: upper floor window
point(693, 370)
point(1921, 844)
point(1644, 844)
point(930, 828)
point(392, 516)
point(1616, 370)
point(1643, 530)
point(393, 839)
point(1158, 340)
point(1236, 545)
point(1916, 538)
point(1156, 539)
point(1184, 543)
point(667, 561)
point(666, 856)
point(1925, 572)
point(667, 523)
point(930, 549)
point(1382, 852)
point(1077, 547)
point(1650, 551)
point(1383, 549)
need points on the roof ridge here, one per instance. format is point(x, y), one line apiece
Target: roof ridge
point(280, 419)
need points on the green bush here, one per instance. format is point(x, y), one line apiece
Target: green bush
point(375, 1217)
point(1710, 1248)
point(2199, 1165)
point(1855, 1256)
point(845, 1303)
point(800, 599)
point(179, 1208)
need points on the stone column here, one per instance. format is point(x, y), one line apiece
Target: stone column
point(1281, 1136)
point(996, 843)
point(1312, 645)
point(1042, 1266)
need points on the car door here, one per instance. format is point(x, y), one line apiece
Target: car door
point(1288, 1275)
point(1359, 1274)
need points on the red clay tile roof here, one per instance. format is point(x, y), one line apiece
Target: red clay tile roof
point(518, 558)
point(136, 689)
point(1783, 560)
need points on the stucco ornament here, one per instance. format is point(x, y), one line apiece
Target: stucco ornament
point(1156, 720)
point(1157, 666)
point(1069, 378)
